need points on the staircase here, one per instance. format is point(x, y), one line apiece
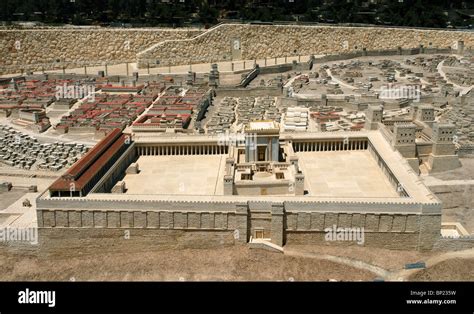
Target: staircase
point(264, 244)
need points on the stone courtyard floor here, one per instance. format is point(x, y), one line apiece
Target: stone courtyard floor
point(344, 174)
point(184, 175)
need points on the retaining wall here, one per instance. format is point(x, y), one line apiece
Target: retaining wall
point(283, 222)
point(40, 48)
point(270, 41)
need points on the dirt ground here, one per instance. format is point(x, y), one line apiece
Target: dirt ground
point(390, 260)
point(455, 190)
point(456, 269)
point(466, 172)
point(228, 263)
point(10, 197)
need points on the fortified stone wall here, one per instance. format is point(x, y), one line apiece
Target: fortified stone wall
point(260, 91)
point(120, 239)
point(454, 244)
point(286, 222)
point(395, 231)
point(260, 41)
point(137, 219)
point(77, 47)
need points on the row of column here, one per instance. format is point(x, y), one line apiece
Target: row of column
point(79, 191)
point(329, 146)
point(182, 150)
point(388, 173)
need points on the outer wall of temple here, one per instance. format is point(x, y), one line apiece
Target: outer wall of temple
point(386, 228)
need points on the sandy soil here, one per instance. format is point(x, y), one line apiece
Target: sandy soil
point(390, 260)
point(231, 263)
point(466, 172)
point(456, 269)
point(8, 198)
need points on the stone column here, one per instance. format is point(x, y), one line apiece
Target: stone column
point(460, 47)
point(294, 161)
point(278, 214)
point(429, 231)
point(242, 222)
point(228, 184)
point(299, 184)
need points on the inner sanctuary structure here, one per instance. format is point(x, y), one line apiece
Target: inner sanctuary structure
point(271, 133)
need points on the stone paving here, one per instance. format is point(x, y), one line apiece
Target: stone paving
point(344, 174)
point(185, 175)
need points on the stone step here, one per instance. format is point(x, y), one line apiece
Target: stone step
point(265, 244)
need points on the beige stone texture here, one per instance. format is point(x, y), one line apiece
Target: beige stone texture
point(260, 41)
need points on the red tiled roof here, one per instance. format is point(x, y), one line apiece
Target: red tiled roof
point(78, 170)
point(64, 185)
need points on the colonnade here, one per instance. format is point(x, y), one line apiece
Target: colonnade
point(182, 150)
point(324, 146)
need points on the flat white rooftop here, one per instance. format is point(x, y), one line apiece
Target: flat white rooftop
point(257, 125)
